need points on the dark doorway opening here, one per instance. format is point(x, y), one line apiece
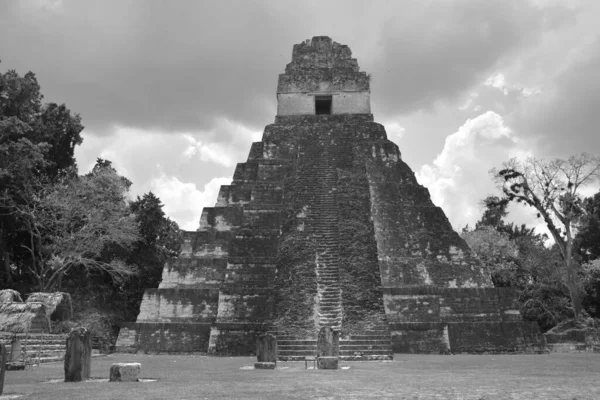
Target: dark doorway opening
point(322, 105)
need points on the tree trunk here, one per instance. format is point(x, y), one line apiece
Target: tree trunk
point(576, 303)
point(5, 260)
point(571, 282)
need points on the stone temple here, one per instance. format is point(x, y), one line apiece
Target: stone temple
point(324, 225)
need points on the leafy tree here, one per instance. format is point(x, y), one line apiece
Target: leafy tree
point(588, 237)
point(160, 241)
point(496, 251)
point(552, 188)
point(70, 224)
point(37, 144)
point(517, 257)
point(494, 213)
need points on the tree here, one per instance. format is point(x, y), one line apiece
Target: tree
point(496, 251)
point(37, 143)
point(160, 241)
point(588, 237)
point(72, 221)
point(552, 188)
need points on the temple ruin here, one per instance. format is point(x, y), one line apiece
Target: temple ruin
point(324, 225)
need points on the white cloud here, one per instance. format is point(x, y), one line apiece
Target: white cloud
point(497, 81)
point(183, 200)
point(175, 166)
point(458, 179)
point(395, 131)
point(469, 101)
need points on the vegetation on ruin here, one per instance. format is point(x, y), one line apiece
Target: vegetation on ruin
point(296, 280)
point(359, 268)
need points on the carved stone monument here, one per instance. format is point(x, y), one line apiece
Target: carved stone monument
point(78, 358)
point(266, 352)
point(328, 346)
point(3, 361)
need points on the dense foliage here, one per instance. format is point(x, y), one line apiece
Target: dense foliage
point(519, 257)
point(553, 189)
point(60, 230)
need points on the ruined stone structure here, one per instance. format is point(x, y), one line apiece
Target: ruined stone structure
point(325, 226)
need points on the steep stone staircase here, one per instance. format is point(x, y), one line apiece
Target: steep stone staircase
point(320, 172)
point(325, 229)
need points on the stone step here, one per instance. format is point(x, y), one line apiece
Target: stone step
point(369, 337)
point(38, 342)
point(299, 342)
point(364, 351)
point(346, 342)
point(50, 359)
point(296, 352)
point(296, 347)
point(347, 347)
point(370, 357)
point(45, 353)
point(45, 346)
point(329, 308)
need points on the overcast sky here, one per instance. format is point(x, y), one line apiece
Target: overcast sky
point(173, 93)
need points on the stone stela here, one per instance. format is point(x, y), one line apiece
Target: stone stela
point(78, 358)
point(328, 348)
point(3, 361)
point(266, 352)
point(325, 226)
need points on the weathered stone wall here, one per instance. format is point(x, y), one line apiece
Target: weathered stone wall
point(321, 66)
point(179, 305)
point(351, 103)
point(189, 273)
point(435, 304)
point(342, 103)
point(416, 244)
point(156, 337)
point(295, 104)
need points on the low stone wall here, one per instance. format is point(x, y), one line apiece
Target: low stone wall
point(467, 337)
point(156, 337)
point(235, 339)
point(435, 304)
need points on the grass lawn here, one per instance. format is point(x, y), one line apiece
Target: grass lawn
point(553, 376)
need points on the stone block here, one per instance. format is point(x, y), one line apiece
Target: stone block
point(266, 349)
point(3, 361)
point(328, 343)
point(124, 372)
point(264, 365)
point(78, 358)
point(327, 363)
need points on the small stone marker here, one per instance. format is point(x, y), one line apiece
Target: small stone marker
point(3, 361)
point(15, 349)
point(328, 348)
point(78, 358)
point(125, 372)
point(266, 352)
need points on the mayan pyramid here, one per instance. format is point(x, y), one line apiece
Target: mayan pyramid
point(325, 225)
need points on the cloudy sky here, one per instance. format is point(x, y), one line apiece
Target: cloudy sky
point(173, 93)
